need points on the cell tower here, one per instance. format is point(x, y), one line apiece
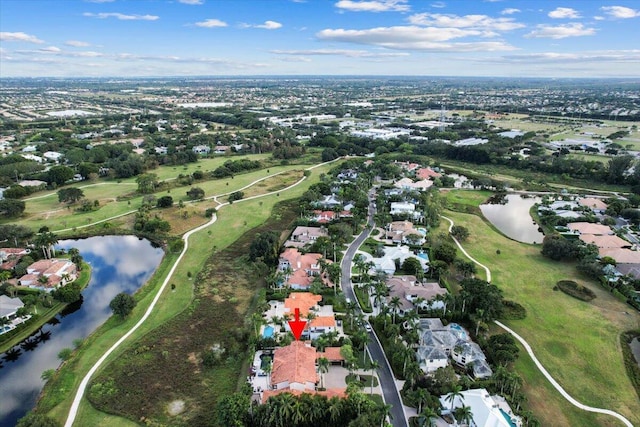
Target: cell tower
point(442, 118)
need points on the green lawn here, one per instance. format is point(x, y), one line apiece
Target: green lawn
point(233, 221)
point(576, 341)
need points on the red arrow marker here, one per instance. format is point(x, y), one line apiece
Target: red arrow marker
point(297, 326)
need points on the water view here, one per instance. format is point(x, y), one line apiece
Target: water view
point(119, 264)
point(511, 216)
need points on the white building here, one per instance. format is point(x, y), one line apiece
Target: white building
point(486, 410)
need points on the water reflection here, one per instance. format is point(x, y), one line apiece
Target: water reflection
point(119, 264)
point(510, 214)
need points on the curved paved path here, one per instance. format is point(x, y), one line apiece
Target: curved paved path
point(542, 369)
point(486, 269)
point(75, 405)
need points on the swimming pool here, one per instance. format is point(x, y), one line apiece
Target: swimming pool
point(423, 255)
point(508, 418)
point(457, 329)
point(268, 332)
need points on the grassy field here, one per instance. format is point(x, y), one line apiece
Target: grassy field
point(233, 221)
point(575, 340)
point(46, 210)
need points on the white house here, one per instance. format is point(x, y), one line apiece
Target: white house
point(486, 410)
point(9, 306)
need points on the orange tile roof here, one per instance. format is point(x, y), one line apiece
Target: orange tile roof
point(295, 363)
point(593, 203)
point(425, 173)
point(302, 300)
point(331, 353)
point(323, 322)
point(605, 241)
point(589, 228)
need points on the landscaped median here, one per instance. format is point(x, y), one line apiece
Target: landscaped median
point(233, 221)
point(577, 341)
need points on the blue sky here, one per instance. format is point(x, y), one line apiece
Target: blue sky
point(544, 38)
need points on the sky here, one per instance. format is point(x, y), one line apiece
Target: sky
point(136, 38)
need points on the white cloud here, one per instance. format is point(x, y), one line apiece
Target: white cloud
point(122, 16)
point(211, 23)
point(351, 53)
point(620, 12)
point(413, 38)
point(76, 43)
point(596, 56)
point(374, 5)
point(564, 13)
point(561, 31)
point(269, 25)
point(599, 18)
point(510, 11)
point(19, 37)
point(50, 49)
point(483, 22)
point(439, 5)
point(191, 2)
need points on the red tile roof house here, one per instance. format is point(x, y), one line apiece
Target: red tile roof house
point(294, 371)
point(323, 217)
point(58, 272)
point(303, 268)
point(427, 173)
point(9, 257)
point(294, 368)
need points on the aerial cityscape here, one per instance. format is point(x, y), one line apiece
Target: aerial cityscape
point(319, 213)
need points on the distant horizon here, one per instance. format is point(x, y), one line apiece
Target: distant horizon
point(311, 76)
point(187, 38)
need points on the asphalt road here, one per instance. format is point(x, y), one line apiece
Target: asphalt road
point(387, 380)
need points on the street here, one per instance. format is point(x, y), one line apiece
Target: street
point(387, 380)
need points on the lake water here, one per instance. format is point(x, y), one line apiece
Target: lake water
point(513, 219)
point(119, 264)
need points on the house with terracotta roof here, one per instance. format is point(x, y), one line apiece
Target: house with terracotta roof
point(621, 255)
point(10, 257)
point(305, 301)
point(321, 325)
point(294, 368)
point(322, 217)
point(301, 269)
point(589, 228)
point(596, 205)
point(427, 173)
point(605, 241)
point(58, 272)
point(332, 354)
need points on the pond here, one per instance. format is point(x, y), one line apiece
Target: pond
point(119, 264)
point(511, 216)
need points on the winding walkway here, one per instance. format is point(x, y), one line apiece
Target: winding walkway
point(529, 350)
point(75, 405)
point(486, 269)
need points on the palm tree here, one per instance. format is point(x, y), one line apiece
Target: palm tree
point(455, 392)
point(384, 411)
point(323, 368)
point(45, 241)
point(464, 414)
point(373, 365)
point(395, 305)
point(422, 396)
point(427, 416)
point(267, 370)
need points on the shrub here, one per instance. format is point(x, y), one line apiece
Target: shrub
point(575, 290)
